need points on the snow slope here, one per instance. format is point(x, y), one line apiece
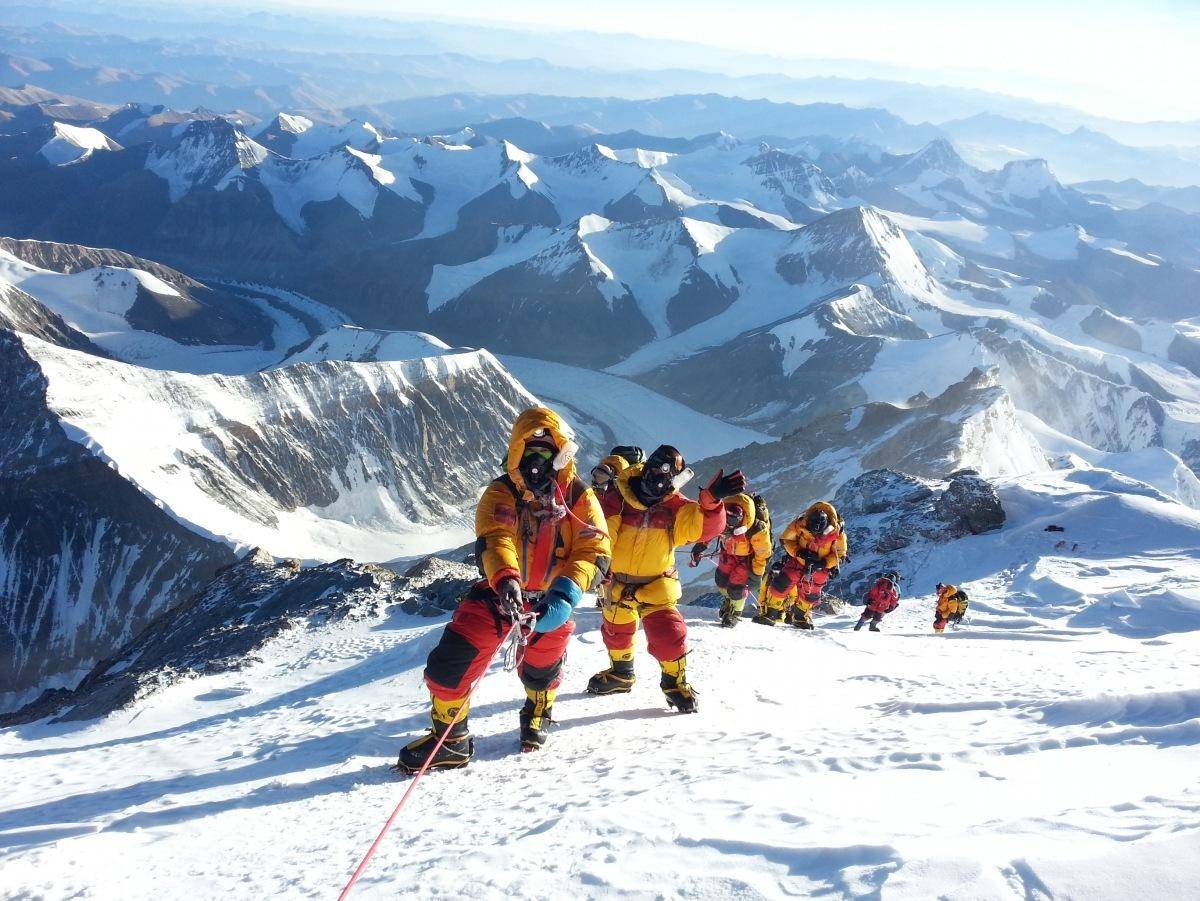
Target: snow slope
point(317, 461)
point(1045, 750)
point(315, 140)
point(348, 342)
point(608, 410)
point(98, 302)
point(71, 144)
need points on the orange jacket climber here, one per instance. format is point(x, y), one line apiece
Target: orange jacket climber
point(541, 542)
point(951, 605)
point(815, 545)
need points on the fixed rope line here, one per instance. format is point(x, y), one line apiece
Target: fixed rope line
point(516, 628)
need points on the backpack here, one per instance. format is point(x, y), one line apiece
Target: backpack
point(884, 585)
point(762, 515)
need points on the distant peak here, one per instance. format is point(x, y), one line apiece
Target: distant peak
point(293, 124)
point(514, 154)
point(938, 153)
point(1028, 178)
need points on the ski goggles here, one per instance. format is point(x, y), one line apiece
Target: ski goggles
point(541, 453)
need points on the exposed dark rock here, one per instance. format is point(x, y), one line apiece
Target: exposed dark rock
point(893, 517)
point(248, 604)
point(880, 490)
point(971, 501)
point(434, 585)
point(710, 599)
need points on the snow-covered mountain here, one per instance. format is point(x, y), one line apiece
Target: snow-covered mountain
point(972, 424)
point(826, 268)
point(775, 302)
point(142, 312)
point(71, 144)
point(301, 138)
point(156, 478)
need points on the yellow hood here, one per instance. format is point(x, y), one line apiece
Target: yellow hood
point(834, 520)
point(529, 422)
point(747, 504)
point(616, 463)
point(626, 489)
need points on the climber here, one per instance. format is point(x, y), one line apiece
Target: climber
point(745, 548)
point(882, 599)
point(951, 605)
point(604, 483)
point(604, 474)
point(814, 546)
point(654, 519)
point(541, 543)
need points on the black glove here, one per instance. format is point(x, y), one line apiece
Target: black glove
point(509, 593)
point(723, 486)
point(698, 550)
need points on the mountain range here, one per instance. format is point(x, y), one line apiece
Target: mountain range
point(818, 299)
point(274, 285)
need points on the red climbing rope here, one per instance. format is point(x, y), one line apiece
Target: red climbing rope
point(516, 626)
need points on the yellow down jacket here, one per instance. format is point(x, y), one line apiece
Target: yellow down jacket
point(520, 536)
point(644, 538)
point(949, 603)
point(830, 548)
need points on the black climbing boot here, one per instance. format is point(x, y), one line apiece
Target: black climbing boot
point(456, 751)
point(536, 720)
point(617, 679)
point(679, 694)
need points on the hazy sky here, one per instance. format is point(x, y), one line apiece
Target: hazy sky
point(1136, 60)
